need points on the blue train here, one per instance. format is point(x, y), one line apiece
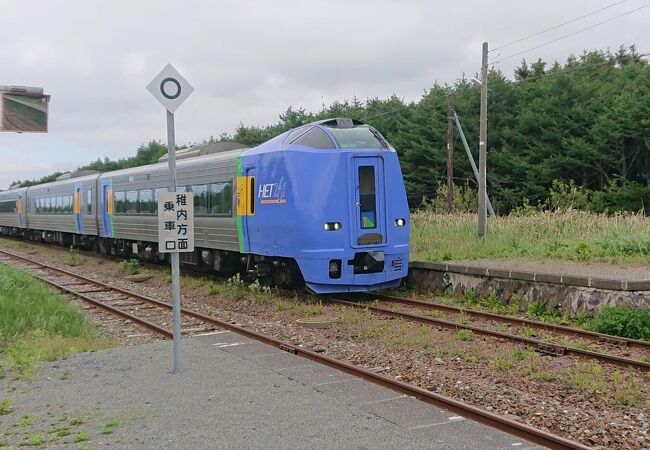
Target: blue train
point(323, 204)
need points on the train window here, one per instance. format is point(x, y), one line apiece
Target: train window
point(200, 198)
point(358, 137)
point(119, 202)
point(146, 201)
point(37, 205)
point(315, 138)
point(294, 134)
point(221, 198)
point(89, 201)
point(46, 205)
point(7, 206)
point(67, 204)
point(58, 205)
point(251, 206)
point(156, 194)
point(367, 199)
point(131, 202)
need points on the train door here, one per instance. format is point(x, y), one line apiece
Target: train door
point(20, 210)
point(106, 210)
point(76, 209)
point(368, 223)
point(245, 207)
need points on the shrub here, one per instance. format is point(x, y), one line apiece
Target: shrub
point(625, 322)
point(130, 266)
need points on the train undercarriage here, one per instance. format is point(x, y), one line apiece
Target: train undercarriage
point(271, 271)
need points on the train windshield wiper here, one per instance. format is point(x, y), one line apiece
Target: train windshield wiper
point(379, 137)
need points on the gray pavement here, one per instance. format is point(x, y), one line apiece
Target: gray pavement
point(232, 393)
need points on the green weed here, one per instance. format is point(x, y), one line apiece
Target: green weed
point(36, 439)
point(74, 258)
point(527, 331)
point(130, 266)
point(81, 436)
point(464, 335)
point(435, 314)
point(462, 318)
point(109, 426)
point(542, 375)
point(280, 305)
point(78, 421)
point(210, 289)
point(627, 390)
point(501, 364)
point(588, 377)
point(632, 323)
point(26, 421)
point(6, 406)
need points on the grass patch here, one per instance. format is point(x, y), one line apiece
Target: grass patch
point(81, 436)
point(565, 235)
point(501, 364)
point(588, 377)
point(464, 335)
point(130, 266)
point(6, 407)
point(36, 439)
point(308, 309)
point(625, 322)
point(74, 258)
point(37, 324)
point(109, 426)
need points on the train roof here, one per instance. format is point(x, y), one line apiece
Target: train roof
point(223, 155)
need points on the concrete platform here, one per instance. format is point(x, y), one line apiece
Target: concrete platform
point(233, 393)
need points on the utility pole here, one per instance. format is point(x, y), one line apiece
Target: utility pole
point(482, 149)
point(450, 152)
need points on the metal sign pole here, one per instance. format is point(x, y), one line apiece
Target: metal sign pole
point(175, 212)
point(175, 260)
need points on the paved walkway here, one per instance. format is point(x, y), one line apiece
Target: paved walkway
point(232, 393)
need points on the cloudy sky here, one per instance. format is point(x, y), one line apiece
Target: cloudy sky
point(249, 60)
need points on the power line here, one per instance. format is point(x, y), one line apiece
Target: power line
point(556, 26)
point(571, 34)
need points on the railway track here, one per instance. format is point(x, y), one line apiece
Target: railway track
point(87, 289)
point(519, 321)
point(149, 313)
point(550, 348)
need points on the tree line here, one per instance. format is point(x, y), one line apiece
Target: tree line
point(556, 131)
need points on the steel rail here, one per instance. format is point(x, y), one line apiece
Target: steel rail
point(97, 303)
point(553, 349)
point(569, 331)
point(471, 412)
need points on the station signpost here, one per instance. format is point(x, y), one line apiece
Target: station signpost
point(175, 209)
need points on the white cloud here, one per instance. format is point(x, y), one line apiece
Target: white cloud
point(249, 60)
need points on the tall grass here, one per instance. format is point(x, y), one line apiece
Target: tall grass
point(565, 235)
point(37, 324)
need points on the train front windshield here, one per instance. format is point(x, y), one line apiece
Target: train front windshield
point(358, 137)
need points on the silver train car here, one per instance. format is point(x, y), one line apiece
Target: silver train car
point(115, 213)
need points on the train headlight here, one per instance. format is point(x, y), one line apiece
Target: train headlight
point(400, 222)
point(332, 226)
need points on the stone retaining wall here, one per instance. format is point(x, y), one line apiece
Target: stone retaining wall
point(570, 295)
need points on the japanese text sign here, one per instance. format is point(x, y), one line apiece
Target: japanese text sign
point(175, 222)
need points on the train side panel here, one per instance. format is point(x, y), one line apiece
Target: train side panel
point(128, 200)
point(12, 209)
point(66, 206)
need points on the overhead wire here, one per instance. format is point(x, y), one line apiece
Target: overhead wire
point(570, 34)
point(516, 41)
